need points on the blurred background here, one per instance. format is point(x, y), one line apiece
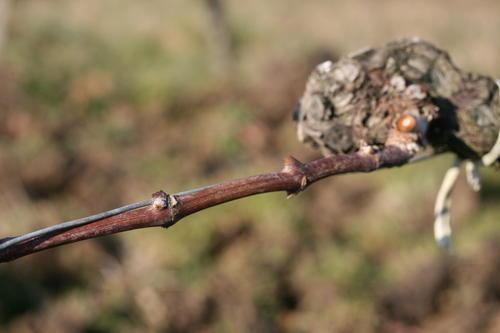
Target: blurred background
point(104, 102)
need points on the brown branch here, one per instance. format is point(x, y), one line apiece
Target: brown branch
point(362, 101)
point(166, 210)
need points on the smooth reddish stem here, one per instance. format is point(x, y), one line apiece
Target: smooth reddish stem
point(294, 178)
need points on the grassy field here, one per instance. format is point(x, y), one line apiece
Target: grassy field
point(104, 102)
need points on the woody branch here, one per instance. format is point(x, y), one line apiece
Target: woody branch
point(383, 107)
point(167, 209)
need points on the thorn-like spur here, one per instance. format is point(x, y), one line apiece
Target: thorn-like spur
point(293, 166)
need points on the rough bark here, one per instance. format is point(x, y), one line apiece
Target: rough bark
point(357, 100)
point(375, 109)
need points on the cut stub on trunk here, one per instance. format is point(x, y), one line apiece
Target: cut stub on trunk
point(408, 94)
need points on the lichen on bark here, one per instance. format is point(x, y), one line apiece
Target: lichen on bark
point(357, 100)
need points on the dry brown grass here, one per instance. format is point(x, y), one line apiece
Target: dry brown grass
point(138, 107)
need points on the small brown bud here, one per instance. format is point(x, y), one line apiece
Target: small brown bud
point(406, 123)
point(160, 200)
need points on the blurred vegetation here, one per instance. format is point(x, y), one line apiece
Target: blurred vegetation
point(104, 102)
